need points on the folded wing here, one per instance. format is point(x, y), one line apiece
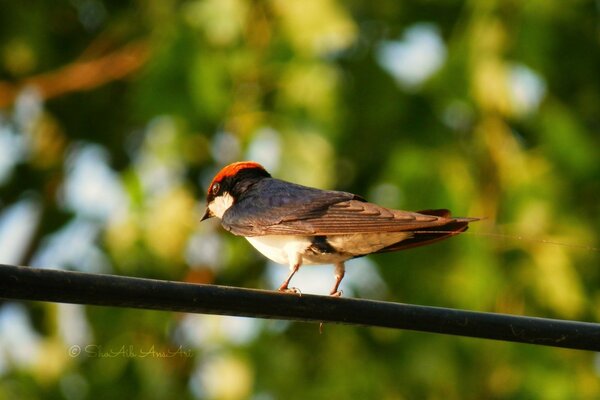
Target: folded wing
point(317, 213)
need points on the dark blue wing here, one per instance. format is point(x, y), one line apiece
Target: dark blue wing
point(274, 207)
point(272, 202)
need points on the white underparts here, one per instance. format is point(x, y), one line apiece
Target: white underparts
point(364, 243)
point(220, 204)
point(281, 249)
point(291, 250)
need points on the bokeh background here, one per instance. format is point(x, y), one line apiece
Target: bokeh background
point(114, 116)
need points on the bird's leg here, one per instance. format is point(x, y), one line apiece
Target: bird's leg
point(340, 271)
point(294, 267)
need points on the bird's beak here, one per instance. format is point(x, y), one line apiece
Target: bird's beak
point(208, 214)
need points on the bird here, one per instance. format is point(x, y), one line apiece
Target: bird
point(297, 225)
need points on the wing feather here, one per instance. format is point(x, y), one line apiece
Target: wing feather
point(335, 218)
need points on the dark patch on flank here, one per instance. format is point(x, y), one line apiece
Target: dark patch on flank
point(320, 245)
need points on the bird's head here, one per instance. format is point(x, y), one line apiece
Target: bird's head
point(229, 184)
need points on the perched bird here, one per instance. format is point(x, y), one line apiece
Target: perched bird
point(298, 225)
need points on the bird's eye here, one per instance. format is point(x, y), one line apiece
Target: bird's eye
point(215, 188)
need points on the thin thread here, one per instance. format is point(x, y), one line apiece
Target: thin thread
point(518, 237)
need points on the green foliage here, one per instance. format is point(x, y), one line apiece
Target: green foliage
point(115, 115)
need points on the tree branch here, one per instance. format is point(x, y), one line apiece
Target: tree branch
point(80, 75)
point(25, 283)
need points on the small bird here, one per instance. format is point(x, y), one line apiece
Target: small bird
point(299, 225)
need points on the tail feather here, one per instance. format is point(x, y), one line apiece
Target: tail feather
point(442, 212)
point(426, 236)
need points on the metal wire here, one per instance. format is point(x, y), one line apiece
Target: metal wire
point(26, 283)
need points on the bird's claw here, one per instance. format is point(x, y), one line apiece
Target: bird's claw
point(293, 290)
point(337, 293)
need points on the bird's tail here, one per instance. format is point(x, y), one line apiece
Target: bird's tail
point(421, 237)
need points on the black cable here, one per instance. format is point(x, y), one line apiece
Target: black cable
point(25, 283)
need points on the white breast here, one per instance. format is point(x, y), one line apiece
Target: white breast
point(290, 249)
point(280, 248)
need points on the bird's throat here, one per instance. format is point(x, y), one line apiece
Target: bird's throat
point(221, 204)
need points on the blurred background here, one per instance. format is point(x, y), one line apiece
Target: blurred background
point(114, 116)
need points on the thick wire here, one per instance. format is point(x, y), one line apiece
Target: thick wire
point(26, 283)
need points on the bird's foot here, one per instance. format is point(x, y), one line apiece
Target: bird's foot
point(292, 290)
point(336, 293)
